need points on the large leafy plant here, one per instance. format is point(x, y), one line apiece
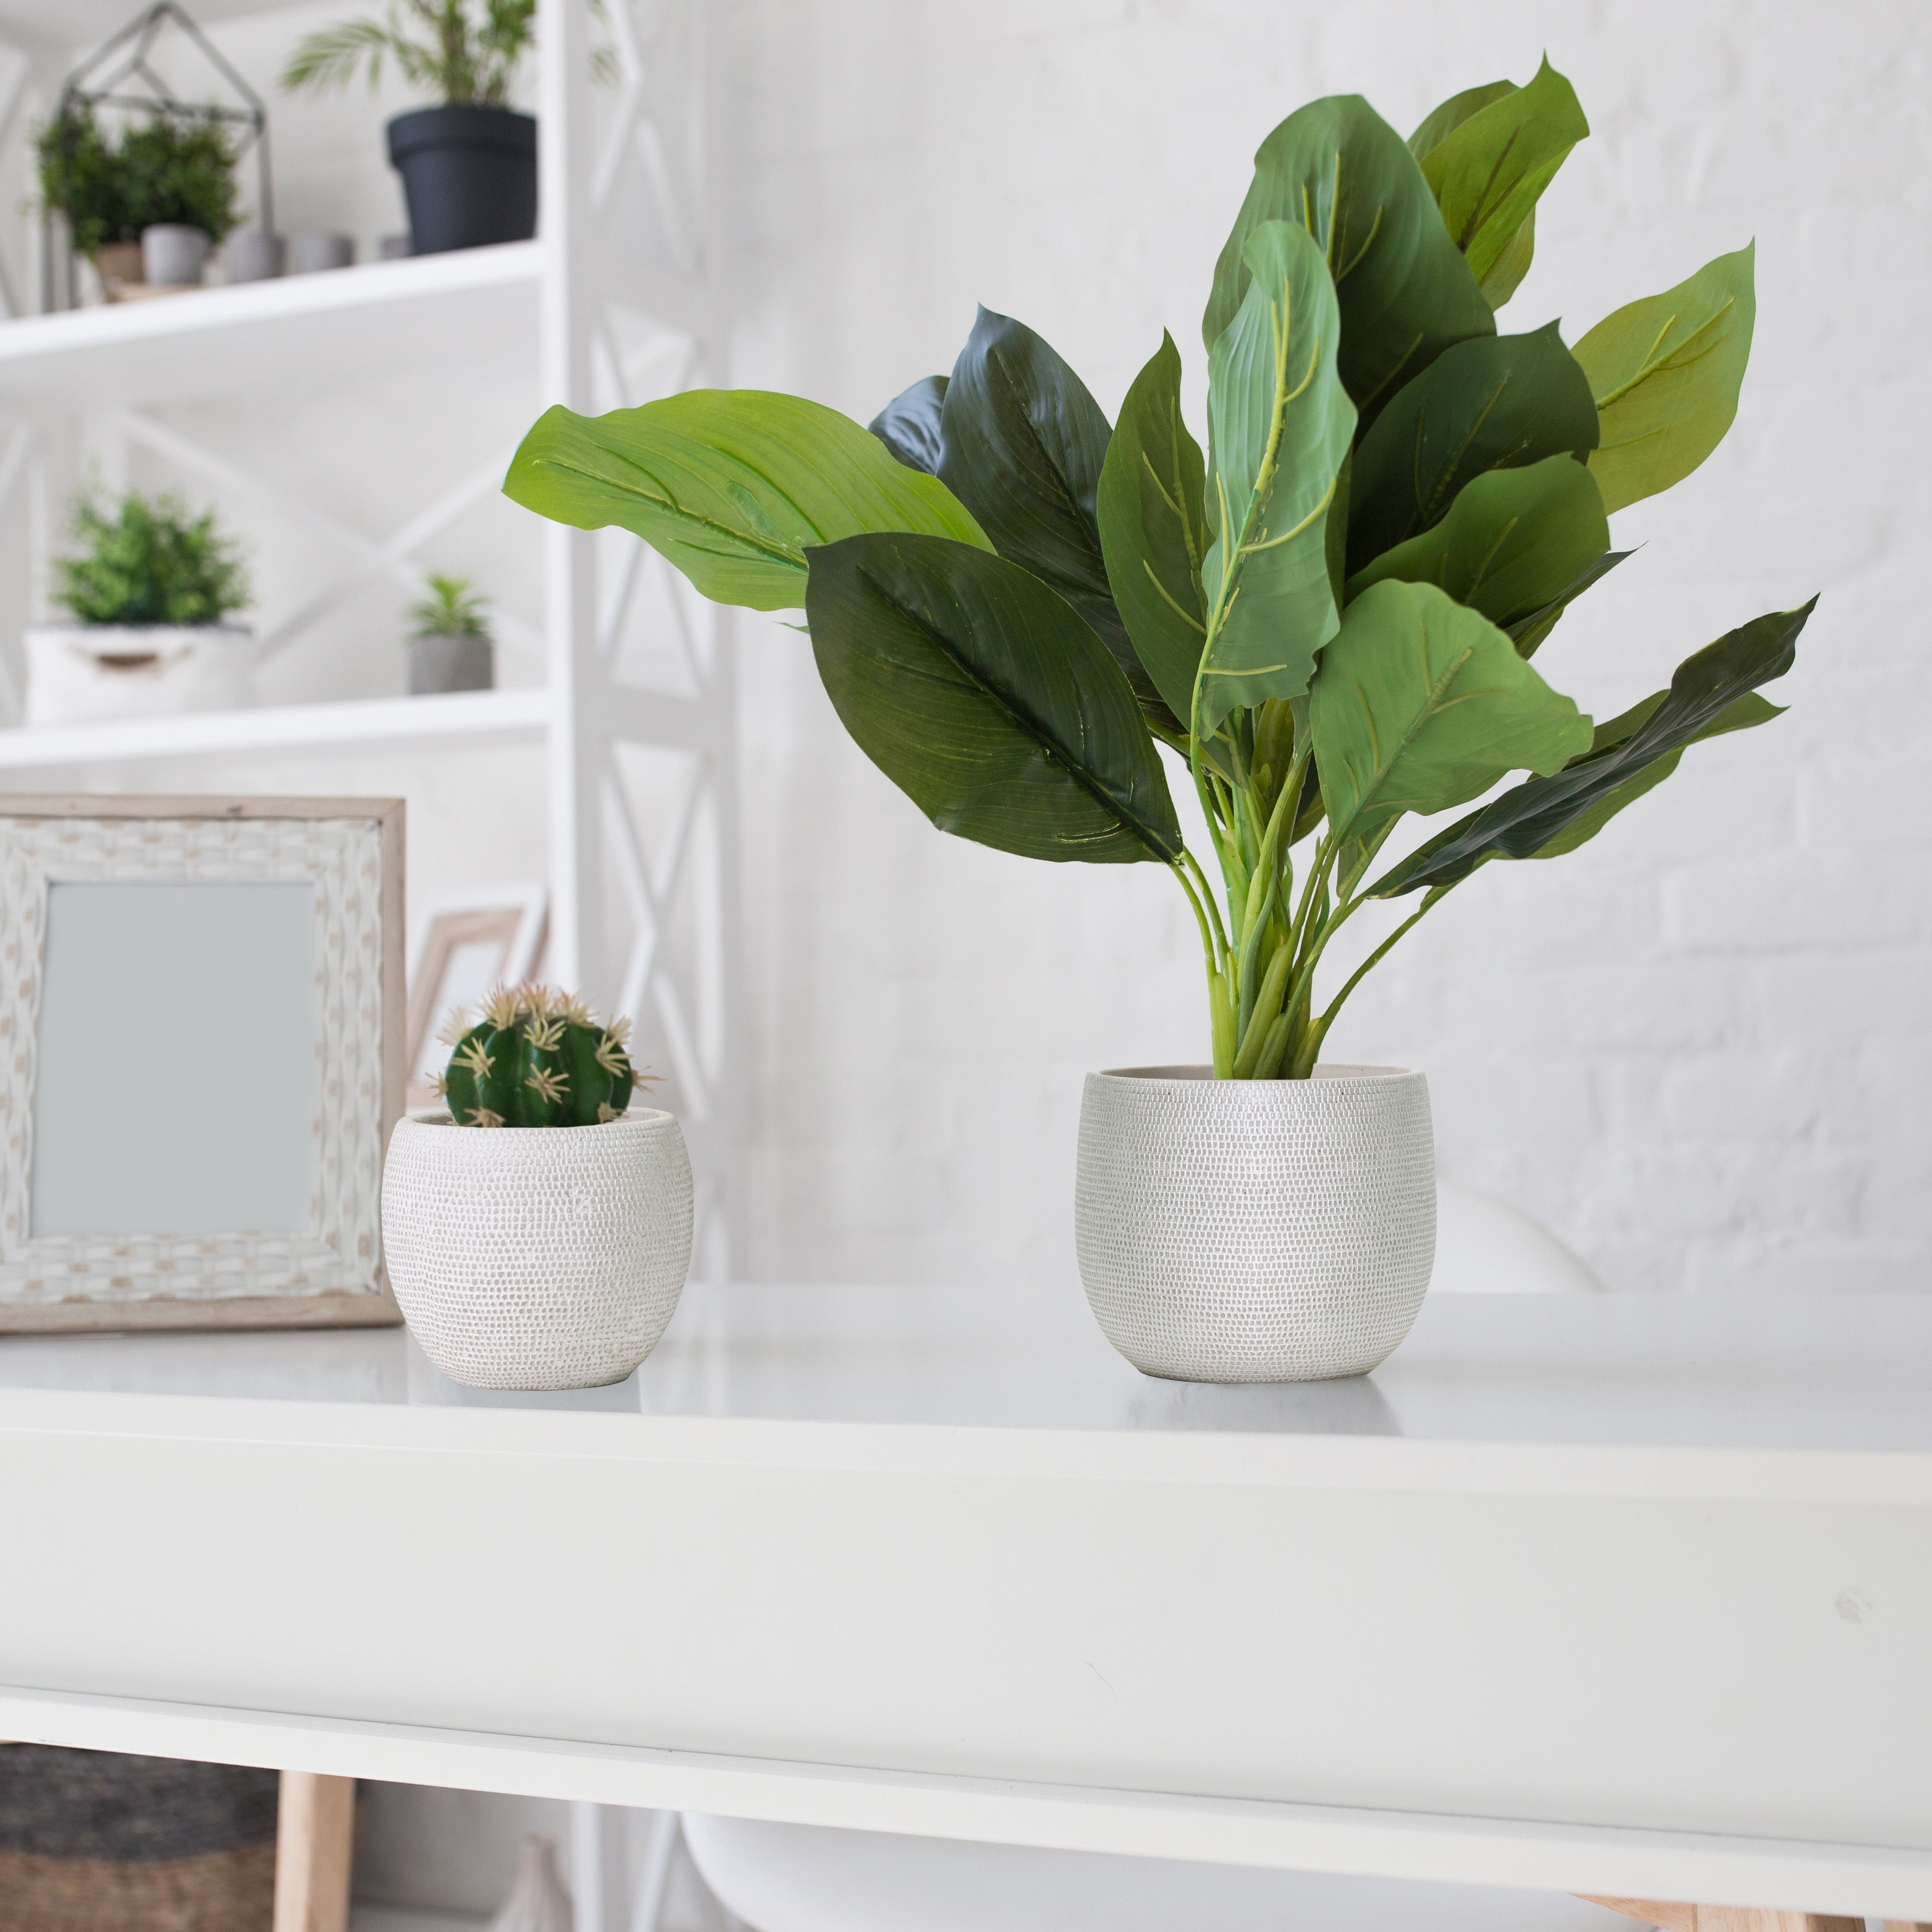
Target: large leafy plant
point(1330, 618)
point(172, 167)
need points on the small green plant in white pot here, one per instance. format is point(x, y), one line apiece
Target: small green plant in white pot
point(450, 645)
point(1324, 626)
point(538, 1227)
point(150, 590)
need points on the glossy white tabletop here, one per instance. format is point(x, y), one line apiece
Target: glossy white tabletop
point(1840, 1371)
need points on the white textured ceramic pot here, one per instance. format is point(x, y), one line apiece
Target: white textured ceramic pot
point(1256, 1230)
point(537, 1258)
point(78, 672)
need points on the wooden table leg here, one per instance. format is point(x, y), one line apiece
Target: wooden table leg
point(314, 1840)
point(1674, 1918)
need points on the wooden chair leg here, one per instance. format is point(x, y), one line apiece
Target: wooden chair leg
point(1675, 1918)
point(314, 1840)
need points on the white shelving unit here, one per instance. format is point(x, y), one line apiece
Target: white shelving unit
point(618, 299)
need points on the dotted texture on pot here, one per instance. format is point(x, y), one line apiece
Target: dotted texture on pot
point(1255, 1230)
point(537, 1257)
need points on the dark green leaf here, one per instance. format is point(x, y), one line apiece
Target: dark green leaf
point(732, 485)
point(1527, 633)
point(1152, 530)
point(908, 425)
point(987, 701)
point(1705, 697)
point(1502, 402)
point(1514, 541)
point(1022, 443)
point(1666, 373)
point(1421, 704)
point(1488, 171)
point(1279, 425)
point(1405, 292)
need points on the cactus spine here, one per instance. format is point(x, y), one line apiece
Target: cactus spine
point(535, 1057)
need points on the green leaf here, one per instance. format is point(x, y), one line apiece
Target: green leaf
point(1022, 443)
point(1153, 533)
point(1666, 373)
point(1527, 633)
point(1279, 423)
point(1487, 173)
point(1502, 402)
point(908, 425)
point(1706, 697)
point(732, 485)
point(1442, 122)
point(1421, 704)
point(1514, 541)
point(1405, 292)
point(987, 701)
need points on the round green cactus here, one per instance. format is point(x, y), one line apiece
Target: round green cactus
point(535, 1057)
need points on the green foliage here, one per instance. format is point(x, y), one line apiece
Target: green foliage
point(1329, 620)
point(452, 609)
point(461, 53)
point(171, 168)
point(148, 560)
point(535, 1057)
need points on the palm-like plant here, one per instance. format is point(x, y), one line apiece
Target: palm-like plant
point(1330, 619)
point(464, 53)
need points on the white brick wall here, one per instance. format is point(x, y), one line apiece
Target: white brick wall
point(1700, 1048)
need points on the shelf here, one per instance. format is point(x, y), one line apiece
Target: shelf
point(218, 340)
point(469, 717)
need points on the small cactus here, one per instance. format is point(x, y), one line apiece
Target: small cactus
point(535, 1057)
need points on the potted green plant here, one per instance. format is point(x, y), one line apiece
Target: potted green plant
point(450, 645)
point(173, 173)
point(1329, 622)
point(549, 1253)
point(469, 165)
point(149, 592)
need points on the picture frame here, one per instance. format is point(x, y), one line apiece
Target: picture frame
point(463, 944)
point(203, 1027)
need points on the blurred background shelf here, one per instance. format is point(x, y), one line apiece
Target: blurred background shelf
point(470, 717)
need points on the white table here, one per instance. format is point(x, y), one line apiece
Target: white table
point(1610, 1594)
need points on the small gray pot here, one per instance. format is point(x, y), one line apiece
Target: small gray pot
point(312, 252)
point(451, 664)
point(255, 255)
point(173, 256)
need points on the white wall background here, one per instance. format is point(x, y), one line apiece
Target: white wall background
point(1699, 1048)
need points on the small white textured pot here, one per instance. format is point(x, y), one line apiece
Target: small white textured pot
point(1256, 1230)
point(537, 1258)
point(78, 672)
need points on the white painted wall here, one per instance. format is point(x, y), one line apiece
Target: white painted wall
point(1699, 1048)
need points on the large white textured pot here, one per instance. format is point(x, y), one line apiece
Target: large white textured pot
point(78, 672)
point(537, 1258)
point(1256, 1230)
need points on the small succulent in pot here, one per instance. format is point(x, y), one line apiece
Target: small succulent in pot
point(536, 1058)
point(450, 645)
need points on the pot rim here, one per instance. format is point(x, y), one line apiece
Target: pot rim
point(632, 1116)
point(73, 627)
point(1329, 1072)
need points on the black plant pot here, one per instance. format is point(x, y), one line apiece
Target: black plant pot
point(469, 175)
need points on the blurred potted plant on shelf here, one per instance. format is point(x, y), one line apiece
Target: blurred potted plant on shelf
point(149, 592)
point(470, 165)
point(146, 209)
point(450, 647)
point(1328, 622)
point(537, 1229)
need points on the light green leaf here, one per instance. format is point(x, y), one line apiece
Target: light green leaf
point(1420, 704)
point(1514, 541)
point(1487, 173)
point(988, 700)
point(732, 485)
point(1279, 423)
point(1442, 122)
point(1666, 373)
point(1340, 171)
point(1152, 531)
